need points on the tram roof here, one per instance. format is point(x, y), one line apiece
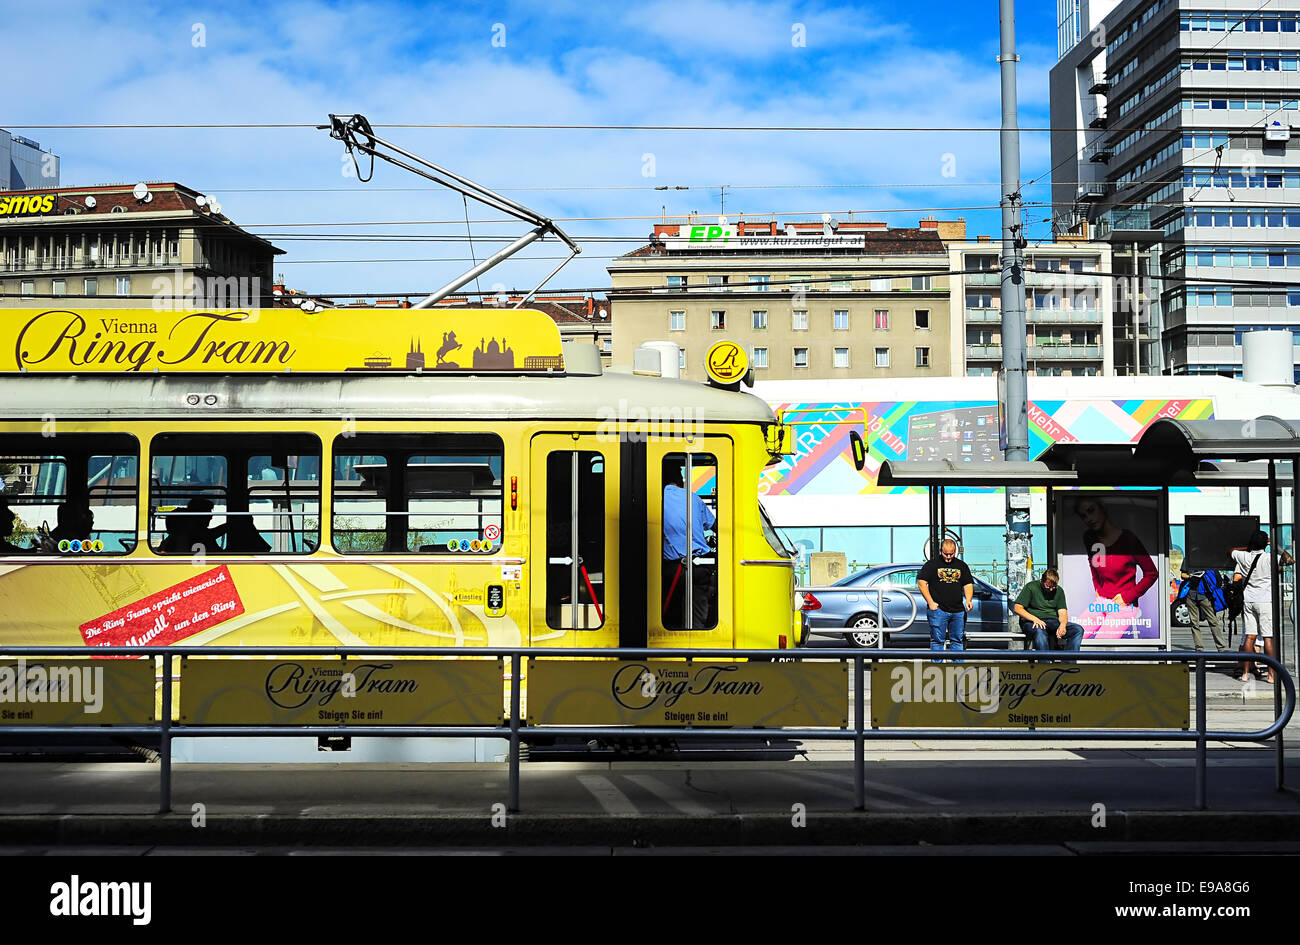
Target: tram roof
point(621, 398)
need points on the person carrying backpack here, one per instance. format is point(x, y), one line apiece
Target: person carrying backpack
point(1204, 593)
point(1253, 587)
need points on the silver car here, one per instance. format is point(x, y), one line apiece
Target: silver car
point(854, 603)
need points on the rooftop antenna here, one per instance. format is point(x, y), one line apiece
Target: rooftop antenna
point(359, 138)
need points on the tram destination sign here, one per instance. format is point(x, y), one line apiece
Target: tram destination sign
point(217, 691)
point(687, 693)
point(921, 694)
point(76, 692)
point(278, 340)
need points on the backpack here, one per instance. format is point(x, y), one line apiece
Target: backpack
point(1236, 591)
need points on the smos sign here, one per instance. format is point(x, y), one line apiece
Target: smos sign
point(26, 204)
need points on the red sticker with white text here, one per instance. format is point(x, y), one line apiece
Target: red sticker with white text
point(170, 615)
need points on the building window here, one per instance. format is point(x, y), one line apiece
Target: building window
point(842, 284)
point(59, 287)
point(677, 282)
point(922, 357)
point(123, 285)
point(681, 359)
point(840, 320)
point(760, 357)
point(92, 287)
point(719, 281)
point(676, 321)
point(923, 319)
point(841, 358)
point(717, 320)
point(799, 283)
point(760, 321)
point(882, 285)
point(882, 357)
point(882, 319)
point(27, 289)
point(799, 320)
point(759, 283)
point(801, 357)
point(920, 283)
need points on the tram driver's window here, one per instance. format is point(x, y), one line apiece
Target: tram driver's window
point(690, 533)
point(436, 493)
point(575, 540)
point(71, 494)
point(234, 494)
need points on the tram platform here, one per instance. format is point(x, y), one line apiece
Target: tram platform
point(918, 792)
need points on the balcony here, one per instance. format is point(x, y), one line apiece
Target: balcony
point(984, 352)
point(1064, 352)
point(1128, 226)
point(1038, 316)
point(993, 277)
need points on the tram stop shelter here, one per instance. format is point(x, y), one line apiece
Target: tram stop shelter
point(1170, 454)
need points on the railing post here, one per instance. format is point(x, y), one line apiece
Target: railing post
point(1201, 802)
point(859, 735)
point(514, 731)
point(165, 740)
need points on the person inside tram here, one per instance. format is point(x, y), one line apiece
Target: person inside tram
point(7, 521)
point(704, 576)
point(189, 529)
point(75, 522)
point(242, 535)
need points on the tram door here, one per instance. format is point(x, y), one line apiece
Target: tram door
point(689, 506)
point(574, 527)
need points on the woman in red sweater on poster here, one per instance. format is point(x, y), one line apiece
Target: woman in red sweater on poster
point(1115, 556)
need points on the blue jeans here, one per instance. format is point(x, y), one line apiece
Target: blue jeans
point(1046, 639)
point(944, 625)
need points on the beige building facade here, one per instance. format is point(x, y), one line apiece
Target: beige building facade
point(124, 246)
point(818, 299)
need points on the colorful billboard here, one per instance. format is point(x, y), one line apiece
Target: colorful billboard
point(961, 431)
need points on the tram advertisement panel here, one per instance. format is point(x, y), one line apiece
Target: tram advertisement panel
point(673, 692)
point(76, 692)
point(341, 692)
point(274, 340)
point(921, 694)
point(1109, 558)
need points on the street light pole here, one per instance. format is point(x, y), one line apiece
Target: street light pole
point(1016, 406)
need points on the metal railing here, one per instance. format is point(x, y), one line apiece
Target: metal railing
point(514, 730)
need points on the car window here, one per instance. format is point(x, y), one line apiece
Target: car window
point(858, 577)
point(905, 578)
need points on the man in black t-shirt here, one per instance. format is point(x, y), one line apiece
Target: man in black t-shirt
point(948, 588)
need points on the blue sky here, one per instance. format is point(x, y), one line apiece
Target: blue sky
point(716, 62)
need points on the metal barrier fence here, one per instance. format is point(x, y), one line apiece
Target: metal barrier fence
point(514, 729)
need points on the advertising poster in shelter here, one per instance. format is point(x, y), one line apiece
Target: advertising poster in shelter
point(1110, 549)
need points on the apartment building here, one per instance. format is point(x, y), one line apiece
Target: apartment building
point(24, 164)
point(1068, 307)
point(127, 246)
point(820, 298)
point(1173, 142)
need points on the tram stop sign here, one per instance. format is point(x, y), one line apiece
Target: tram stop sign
point(727, 364)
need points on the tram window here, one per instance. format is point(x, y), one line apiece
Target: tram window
point(575, 540)
point(68, 494)
point(235, 494)
point(701, 471)
point(437, 493)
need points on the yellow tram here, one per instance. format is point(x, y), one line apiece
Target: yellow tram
point(442, 477)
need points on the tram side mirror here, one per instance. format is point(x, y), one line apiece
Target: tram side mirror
point(859, 447)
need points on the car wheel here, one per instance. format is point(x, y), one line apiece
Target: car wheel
point(1180, 615)
point(866, 631)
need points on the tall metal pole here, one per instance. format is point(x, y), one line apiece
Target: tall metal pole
point(1016, 408)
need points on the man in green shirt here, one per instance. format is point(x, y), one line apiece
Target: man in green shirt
point(1043, 615)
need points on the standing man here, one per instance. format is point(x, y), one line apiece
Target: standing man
point(1044, 618)
point(1253, 568)
point(1205, 601)
point(948, 587)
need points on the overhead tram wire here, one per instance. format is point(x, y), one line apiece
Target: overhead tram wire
point(1270, 286)
point(847, 129)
